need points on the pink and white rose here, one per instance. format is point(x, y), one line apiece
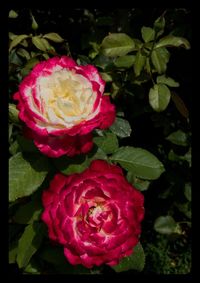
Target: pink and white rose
point(61, 103)
point(96, 215)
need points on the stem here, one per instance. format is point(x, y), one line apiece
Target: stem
point(152, 78)
point(149, 56)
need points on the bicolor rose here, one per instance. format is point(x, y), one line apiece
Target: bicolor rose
point(61, 103)
point(96, 215)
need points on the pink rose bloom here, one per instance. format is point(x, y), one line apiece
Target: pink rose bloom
point(95, 214)
point(61, 103)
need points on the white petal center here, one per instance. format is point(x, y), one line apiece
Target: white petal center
point(66, 98)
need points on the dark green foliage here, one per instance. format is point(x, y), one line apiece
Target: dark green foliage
point(166, 256)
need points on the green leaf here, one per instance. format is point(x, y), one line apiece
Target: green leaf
point(164, 54)
point(141, 185)
point(114, 89)
point(32, 268)
point(117, 44)
point(99, 132)
point(103, 62)
point(174, 157)
point(13, 113)
point(159, 62)
point(138, 183)
point(188, 191)
point(185, 208)
point(27, 145)
point(11, 35)
point(138, 44)
point(96, 153)
point(173, 41)
point(106, 77)
point(13, 252)
point(14, 148)
point(26, 175)
point(139, 63)
point(68, 165)
point(83, 60)
point(167, 80)
point(159, 97)
point(188, 157)
point(121, 128)
point(148, 47)
point(166, 225)
point(125, 61)
point(54, 37)
point(139, 161)
point(38, 42)
point(29, 243)
point(159, 25)
point(23, 53)
point(10, 130)
point(17, 40)
point(95, 51)
point(28, 212)
point(120, 114)
point(29, 65)
point(135, 261)
point(24, 43)
point(12, 14)
point(46, 56)
point(178, 138)
point(108, 143)
point(46, 44)
point(148, 34)
point(92, 54)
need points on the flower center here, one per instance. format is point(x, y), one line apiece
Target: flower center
point(66, 97)
point(96, 216)
point(95, 211)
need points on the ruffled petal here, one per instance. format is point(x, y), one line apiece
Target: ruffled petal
point(53, 134)
point(104, 167)
point(61, 145)
point(95, 215)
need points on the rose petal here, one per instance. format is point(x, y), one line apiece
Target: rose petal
point(72, 258)
point(93, 228)
point(58, 146)
point(104, 167)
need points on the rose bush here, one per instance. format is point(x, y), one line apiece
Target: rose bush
point(61, 103)
point(95, 215)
